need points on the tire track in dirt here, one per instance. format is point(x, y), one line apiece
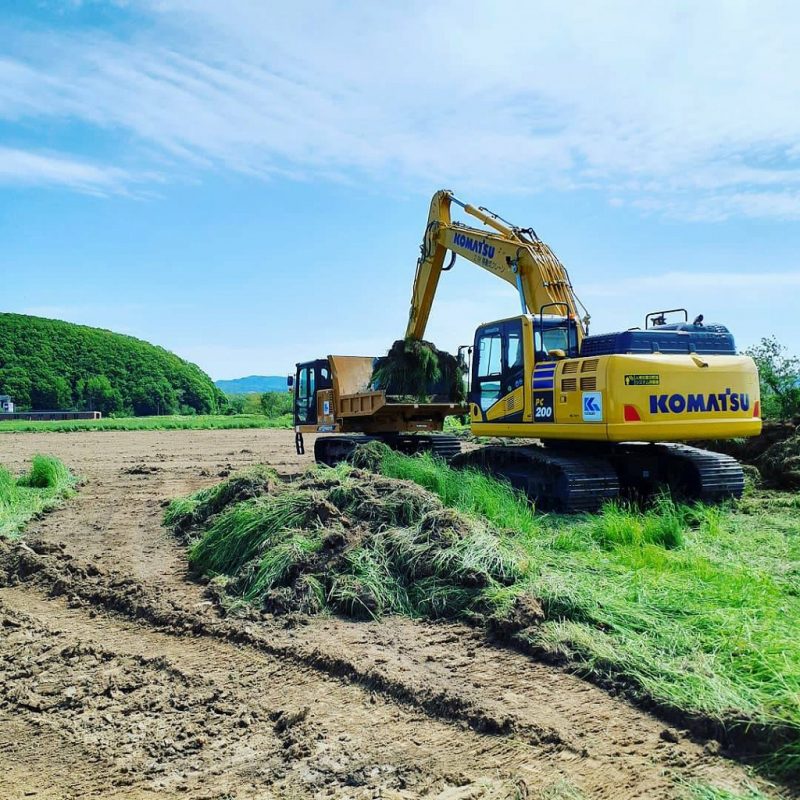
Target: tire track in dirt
point(214, 718)
point(477, 712)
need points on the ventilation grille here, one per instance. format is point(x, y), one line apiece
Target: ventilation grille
point(569, 384)
point(511, 403)
point(590, 365)
point(589, 384)
point(570, 367)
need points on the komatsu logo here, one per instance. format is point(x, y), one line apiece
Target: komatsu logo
point(468, 243)
point(691, 403)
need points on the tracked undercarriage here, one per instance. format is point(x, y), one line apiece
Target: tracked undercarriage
point(574, 478)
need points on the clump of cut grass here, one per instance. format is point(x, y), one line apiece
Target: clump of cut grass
point(44, 487)
point(244, 530)
point(704, 791)
point(560, 790)
point(185, 512)
point(47, 472)
point(470, 491)
point(351, 541)
point(417, 369)
point(779, 465)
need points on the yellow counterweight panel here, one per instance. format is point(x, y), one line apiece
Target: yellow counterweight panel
point(681, 398)
point(649, 398)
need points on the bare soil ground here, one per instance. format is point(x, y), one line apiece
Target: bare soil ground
point(120, 679)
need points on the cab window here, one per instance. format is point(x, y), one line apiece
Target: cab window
point(549, 336)
point(488, 367)
point(514, 360)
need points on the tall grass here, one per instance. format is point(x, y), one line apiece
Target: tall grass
point(167, 423)
point(40, 490)
point(695, 608)
point(470, 491)
point(46, 472)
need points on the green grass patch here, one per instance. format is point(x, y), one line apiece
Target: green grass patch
point(21, 499)
point(694, 609)
point(704, 791)
point(168, 423)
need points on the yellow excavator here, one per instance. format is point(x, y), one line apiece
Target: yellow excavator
point(611, 412)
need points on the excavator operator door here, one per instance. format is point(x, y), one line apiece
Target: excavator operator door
point(497, 390)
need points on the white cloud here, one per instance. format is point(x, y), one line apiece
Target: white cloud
point(38, 169)
point(685, 108)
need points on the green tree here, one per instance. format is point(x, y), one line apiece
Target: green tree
point(276, 404)
point(51, 392)
point(236, 403)
point(153, 398)
point(34, 352)
point(97, 394)
point(14, 381)
point(779, 374)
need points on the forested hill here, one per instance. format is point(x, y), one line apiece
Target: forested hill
point(50, 364)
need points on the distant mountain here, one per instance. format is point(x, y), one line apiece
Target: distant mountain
point(253, 383)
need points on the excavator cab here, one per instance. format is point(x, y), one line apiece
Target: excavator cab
point(508, 350)
point(554, 337)
point(310, 377)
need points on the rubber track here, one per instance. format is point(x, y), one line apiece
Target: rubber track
point(331, 450)
point(720, 476)
point(442, 445)
point(590, 480)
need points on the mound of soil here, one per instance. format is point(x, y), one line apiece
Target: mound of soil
point(350, 541)
point(748, 451)
point(770, 455)
point(779, 465)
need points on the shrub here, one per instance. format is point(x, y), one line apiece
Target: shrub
point(46, 472)
point(779, 375)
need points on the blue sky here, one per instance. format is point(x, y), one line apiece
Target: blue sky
point(247, 184)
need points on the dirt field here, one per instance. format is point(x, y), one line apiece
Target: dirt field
point(119, 679)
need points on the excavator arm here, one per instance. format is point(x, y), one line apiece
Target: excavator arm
point(515, 255)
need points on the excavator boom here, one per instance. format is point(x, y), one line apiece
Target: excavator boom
point(513, 254)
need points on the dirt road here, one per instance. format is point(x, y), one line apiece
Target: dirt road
point(119, 678)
